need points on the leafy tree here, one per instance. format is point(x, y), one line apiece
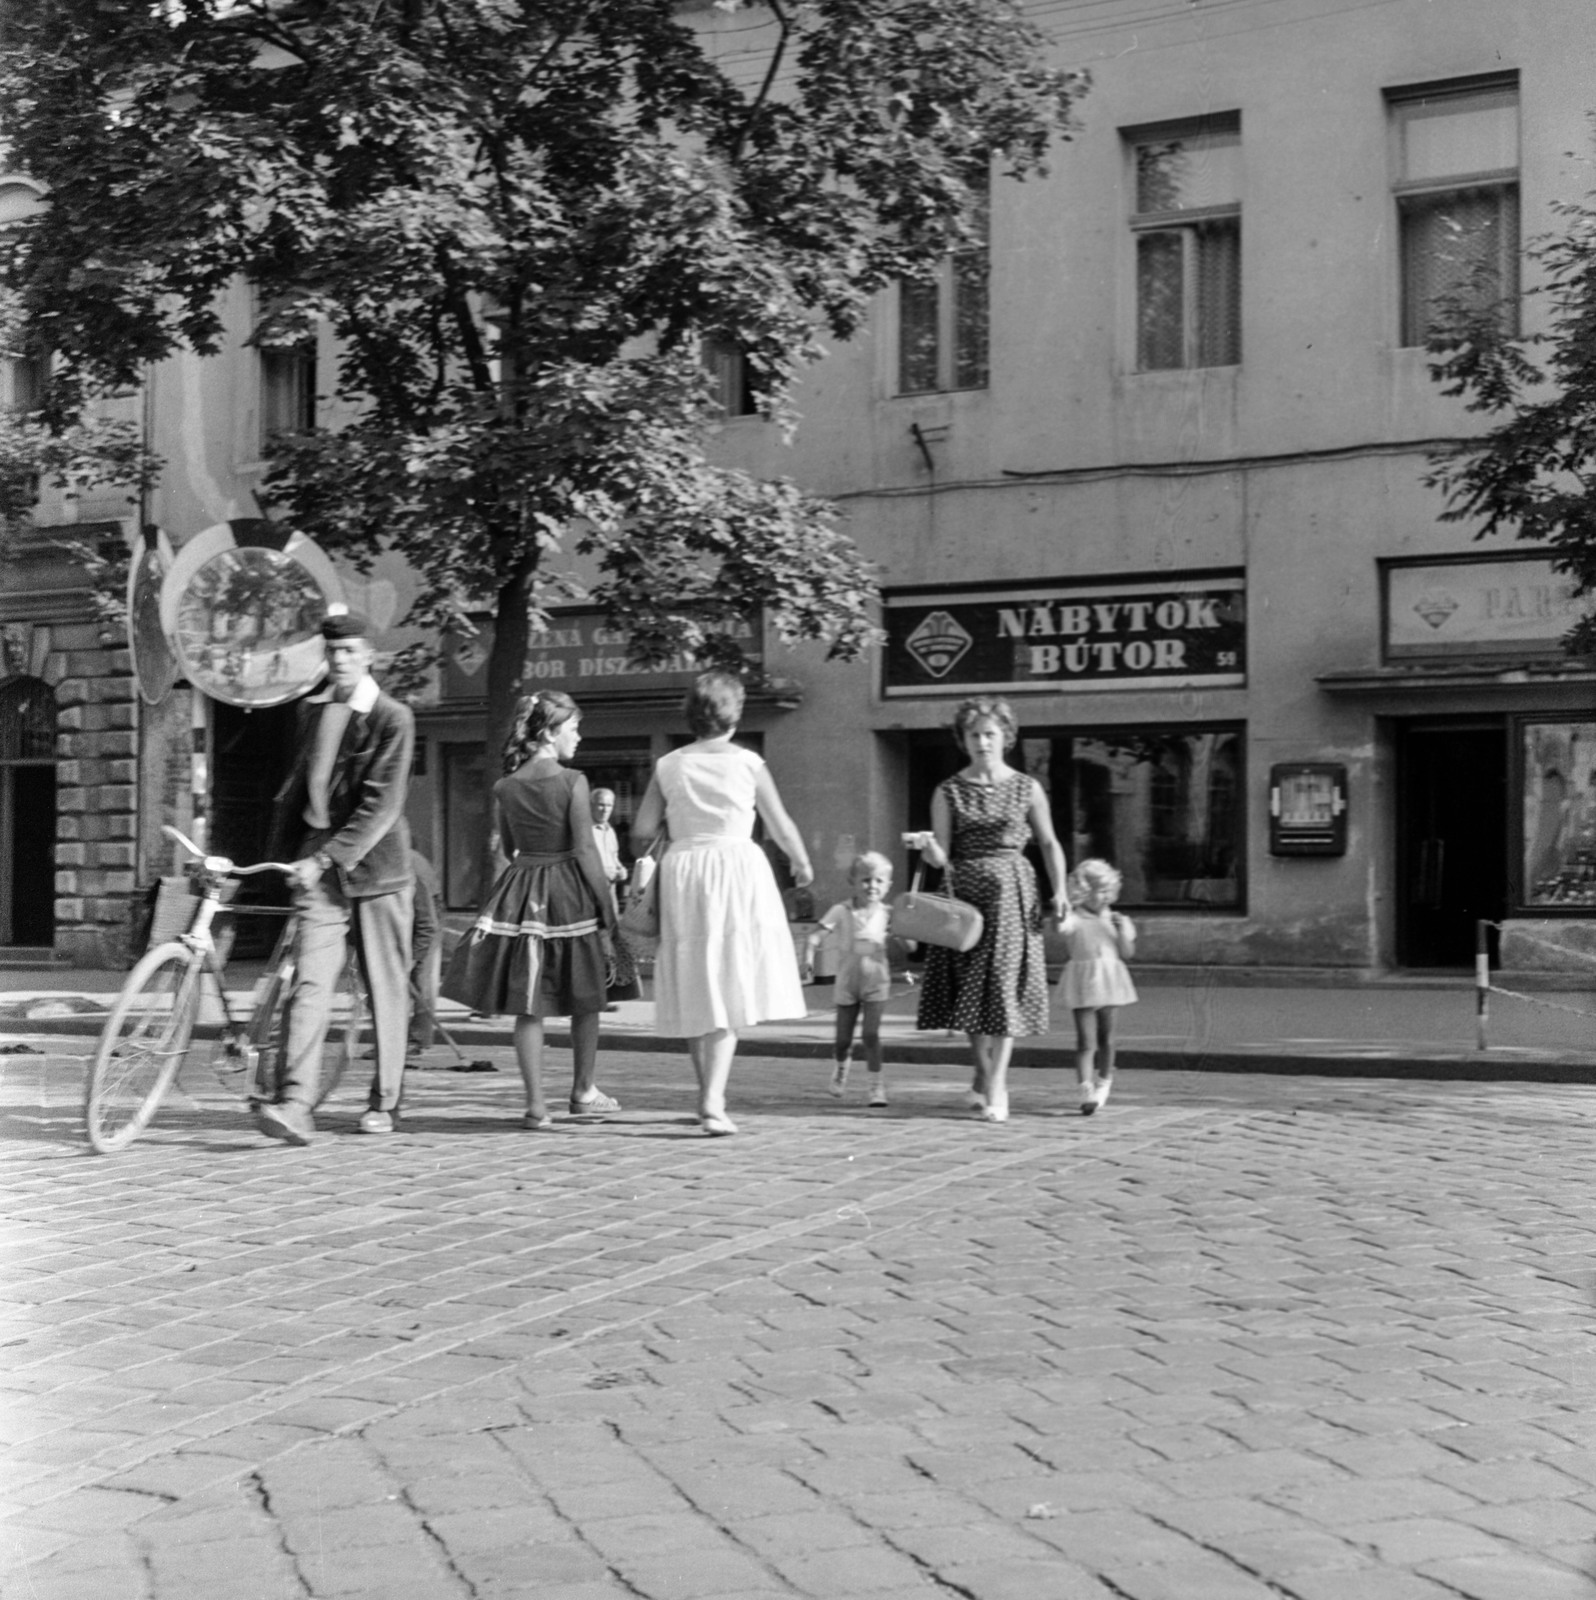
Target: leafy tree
point(1534, 471)
point(519, 218)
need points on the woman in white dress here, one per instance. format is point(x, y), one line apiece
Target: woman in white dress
point(726, 958)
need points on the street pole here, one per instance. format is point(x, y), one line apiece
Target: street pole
point(1482, 983)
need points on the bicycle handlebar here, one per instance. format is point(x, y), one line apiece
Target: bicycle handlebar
point(220, 864)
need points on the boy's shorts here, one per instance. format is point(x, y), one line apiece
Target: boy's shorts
point(862, 978)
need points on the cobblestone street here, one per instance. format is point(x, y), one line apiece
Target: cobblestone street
point(1235, 1338)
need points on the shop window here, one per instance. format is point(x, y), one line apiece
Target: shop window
point(287, 390)
point(1187, 230)
point(1455, 152)
point(944, 320)
point(1164, 805)
point(1558, 799)
point(727, 365)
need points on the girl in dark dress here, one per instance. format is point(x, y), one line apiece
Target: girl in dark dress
point(981, 820)
point(540, 945)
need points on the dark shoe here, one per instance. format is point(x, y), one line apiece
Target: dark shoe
point(379, 1122)
point(288, 1121)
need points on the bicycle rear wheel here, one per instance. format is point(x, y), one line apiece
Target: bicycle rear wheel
point(141, 1047)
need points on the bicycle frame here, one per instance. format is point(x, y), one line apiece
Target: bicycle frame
point(149, 1031)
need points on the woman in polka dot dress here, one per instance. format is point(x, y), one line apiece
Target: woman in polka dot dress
point(981, 820)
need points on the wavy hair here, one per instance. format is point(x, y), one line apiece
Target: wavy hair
point(989, 708)
point(535, 716)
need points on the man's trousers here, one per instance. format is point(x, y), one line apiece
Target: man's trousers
point(377, 929)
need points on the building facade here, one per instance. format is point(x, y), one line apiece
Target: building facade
point(1153, 464)
point(1150, 464)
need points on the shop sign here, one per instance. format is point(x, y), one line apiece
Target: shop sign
point(1484, 606)
point(1126, 634)
point(581, 653)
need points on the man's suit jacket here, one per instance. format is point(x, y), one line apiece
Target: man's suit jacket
point(369, 839)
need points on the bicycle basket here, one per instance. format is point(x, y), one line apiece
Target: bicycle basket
point(176, 900)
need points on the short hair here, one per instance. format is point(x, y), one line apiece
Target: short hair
point(985, 707)
point(536, 715)
point(869, 860)
point(714, 704)
point(1095, 870)
point(601, 790)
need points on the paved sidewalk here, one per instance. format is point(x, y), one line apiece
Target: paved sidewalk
point(1238, 1337)
point(1426, 1029)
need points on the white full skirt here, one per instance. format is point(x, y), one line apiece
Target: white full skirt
point(726, 957)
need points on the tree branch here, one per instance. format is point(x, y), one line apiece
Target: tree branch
point(784, 22)
point(470, 335)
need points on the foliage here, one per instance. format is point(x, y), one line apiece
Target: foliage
point(518, 219)
point(1534, 471)
point(83, 456)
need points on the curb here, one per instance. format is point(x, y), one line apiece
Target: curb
point(1461, 1066)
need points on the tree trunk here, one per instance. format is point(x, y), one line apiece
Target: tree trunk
point(506, 673)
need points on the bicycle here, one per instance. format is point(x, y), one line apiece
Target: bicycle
point(150, 1030)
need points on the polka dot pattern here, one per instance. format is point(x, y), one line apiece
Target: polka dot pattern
point(999, 987)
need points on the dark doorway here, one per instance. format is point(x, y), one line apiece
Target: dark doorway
point(27, 812)
point(624, 765)
point(253, 751)
point(1452, 840)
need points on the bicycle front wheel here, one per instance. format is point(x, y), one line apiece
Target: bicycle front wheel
point(141, 1046)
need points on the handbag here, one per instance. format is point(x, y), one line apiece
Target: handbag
point(639, 922)
point(934, 918)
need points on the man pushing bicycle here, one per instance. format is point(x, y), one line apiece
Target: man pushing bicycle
point(340, 820)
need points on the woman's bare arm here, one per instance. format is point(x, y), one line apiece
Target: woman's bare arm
point(782, 828)
point(1040, 815)
point(937, 846)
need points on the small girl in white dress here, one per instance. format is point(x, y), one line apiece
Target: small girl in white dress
point(1095, 981)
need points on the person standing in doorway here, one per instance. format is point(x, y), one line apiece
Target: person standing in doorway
point(624, 984)
point(603, 804)
point(340, 820)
